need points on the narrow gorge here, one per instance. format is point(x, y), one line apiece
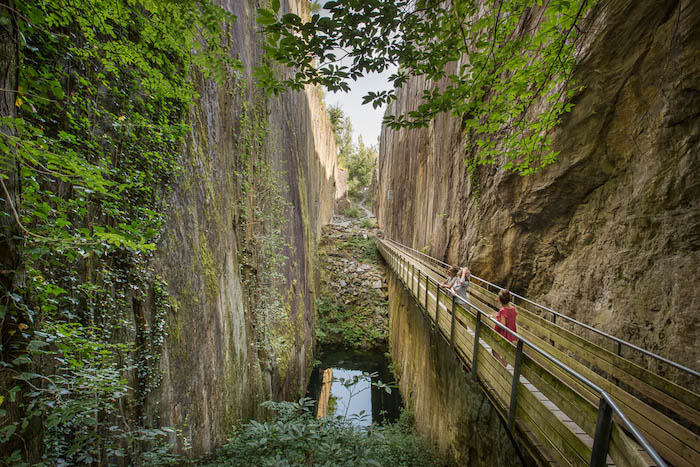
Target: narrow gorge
point(201, 264)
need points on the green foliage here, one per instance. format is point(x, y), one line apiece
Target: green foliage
point(338, 324)
point(342, 128)
point(353, 212)
point(294, 437)
point(363, 249)
point(515, 62)
point(368, 223)
point(102, 102)
point(359, 160)
point(361, 164)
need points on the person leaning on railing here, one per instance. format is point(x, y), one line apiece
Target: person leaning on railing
point(506, 316)
point(457, 281)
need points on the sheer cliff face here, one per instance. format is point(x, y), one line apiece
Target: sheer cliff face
point(256, 186)
point(610, 234)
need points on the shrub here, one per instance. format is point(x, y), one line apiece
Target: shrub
point(368, 223)
point(295, 437)
point(352, 212)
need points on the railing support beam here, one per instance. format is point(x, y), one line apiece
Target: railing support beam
point(476, 342)
point(437, 306)
point(603, 428)
point(413, 278)
point(426, 296)
point(514, 386)
point(452, 325)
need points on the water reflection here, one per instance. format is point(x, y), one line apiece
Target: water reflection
point(342, 385)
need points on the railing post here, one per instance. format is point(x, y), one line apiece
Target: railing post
point(414, 280)
point(514, 386)
point(554, 321)
point(416, 290)
point(404, 270)
point(603, 428)
point(476, 342)
point(426, 295)
point(452, 325)
point(437, 306)
point(619, 354)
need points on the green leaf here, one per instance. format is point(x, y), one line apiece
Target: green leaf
point(265, 17)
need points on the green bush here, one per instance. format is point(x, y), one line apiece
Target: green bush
point(352, 212)
point(295, 437)
point(368, 223)
point(369, 248)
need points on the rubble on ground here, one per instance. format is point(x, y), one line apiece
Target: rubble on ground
point(352, 309)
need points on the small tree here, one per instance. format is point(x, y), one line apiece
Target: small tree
point(361, 164)
point(342, 127)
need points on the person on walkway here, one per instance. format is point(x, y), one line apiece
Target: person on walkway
point(506, 316)
point(457, 281)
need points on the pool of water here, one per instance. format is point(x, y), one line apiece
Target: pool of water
point(342, 386)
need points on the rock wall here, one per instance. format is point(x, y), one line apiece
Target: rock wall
point(451, 410)
point(610, 233)
point(251, 162)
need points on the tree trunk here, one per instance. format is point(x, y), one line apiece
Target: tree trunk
point(10, 235)
point(11, 265)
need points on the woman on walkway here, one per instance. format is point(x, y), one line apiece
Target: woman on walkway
point(457, 281)
point(506, 316)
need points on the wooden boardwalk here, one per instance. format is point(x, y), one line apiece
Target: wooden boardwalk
point(574, 401)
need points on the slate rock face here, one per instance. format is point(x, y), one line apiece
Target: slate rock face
point(215, 372)
point(610, 233)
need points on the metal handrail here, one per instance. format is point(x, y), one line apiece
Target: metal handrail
point(603, 394)
point(567, 318)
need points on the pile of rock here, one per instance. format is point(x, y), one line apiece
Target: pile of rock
point(354, 283)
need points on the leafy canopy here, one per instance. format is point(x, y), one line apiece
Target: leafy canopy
point(504, 66)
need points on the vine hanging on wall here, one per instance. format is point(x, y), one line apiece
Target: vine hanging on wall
point(88, 153)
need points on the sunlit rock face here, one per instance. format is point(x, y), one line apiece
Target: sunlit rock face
point(610, 233)
point(215, 370)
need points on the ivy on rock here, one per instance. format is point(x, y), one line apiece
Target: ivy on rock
point(92, 148)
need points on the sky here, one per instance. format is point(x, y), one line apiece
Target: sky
point(366, 120)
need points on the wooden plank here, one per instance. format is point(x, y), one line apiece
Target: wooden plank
point(465, 336)
point(578, 408)
point(549, 447)
point(497, 376)
point(660, 438)
point(683, 401)
point(618, 367)
point(660, 430)
point(622, 447)
point(664, 428)
point(558, 434)
point(555, 433)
